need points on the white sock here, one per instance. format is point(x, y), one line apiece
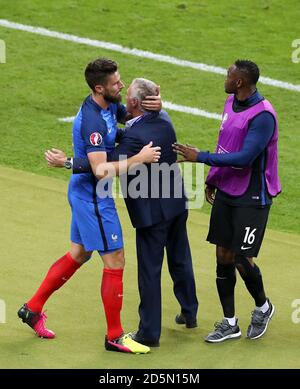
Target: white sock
point(231, 320)
point(264, 307)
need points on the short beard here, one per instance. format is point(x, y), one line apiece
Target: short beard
point(112, 99)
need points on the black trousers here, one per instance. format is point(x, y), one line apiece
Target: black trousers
point(151, 242)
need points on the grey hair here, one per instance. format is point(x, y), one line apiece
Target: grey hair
point(141, 88)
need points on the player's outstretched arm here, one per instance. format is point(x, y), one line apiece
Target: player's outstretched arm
point(97, 161)
point(189, 153)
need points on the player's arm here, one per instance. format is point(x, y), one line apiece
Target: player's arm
point(97, 164)
point(93, 135)
point(97, 157)
point(259, 134)
point(103, 169)
point(58, 158)
point(129, 147)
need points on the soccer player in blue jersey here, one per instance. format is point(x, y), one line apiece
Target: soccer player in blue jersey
point(95, 223)
point(242, 181)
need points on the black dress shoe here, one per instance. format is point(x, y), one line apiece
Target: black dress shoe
point(180, 319)
point(146, 342)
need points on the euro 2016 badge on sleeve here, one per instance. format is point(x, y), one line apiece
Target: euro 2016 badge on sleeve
point(96, 139)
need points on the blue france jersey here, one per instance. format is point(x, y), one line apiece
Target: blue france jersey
point(94, 129)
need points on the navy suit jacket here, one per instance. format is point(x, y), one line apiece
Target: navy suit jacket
point(159, 205)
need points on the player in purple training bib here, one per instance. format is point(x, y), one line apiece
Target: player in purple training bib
point(241, 183)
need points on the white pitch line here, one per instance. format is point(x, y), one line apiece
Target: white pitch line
point(68, 119)
point(139, 53)
point(172, 107)
point(191, 110)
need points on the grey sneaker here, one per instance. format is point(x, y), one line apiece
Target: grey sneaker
point(223, 331)
point(259, 322)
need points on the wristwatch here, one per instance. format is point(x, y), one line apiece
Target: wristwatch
point(69, 163)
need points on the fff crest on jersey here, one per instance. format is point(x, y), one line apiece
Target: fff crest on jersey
point(96, 139)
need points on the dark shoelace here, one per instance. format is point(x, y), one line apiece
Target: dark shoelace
point(257, 318)
point(221, 325)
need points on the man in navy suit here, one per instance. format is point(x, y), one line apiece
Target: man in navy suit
point(158, 212)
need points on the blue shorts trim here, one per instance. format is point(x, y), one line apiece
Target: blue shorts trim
point(108, 251)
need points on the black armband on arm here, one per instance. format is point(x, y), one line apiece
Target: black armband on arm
point(81, 165)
